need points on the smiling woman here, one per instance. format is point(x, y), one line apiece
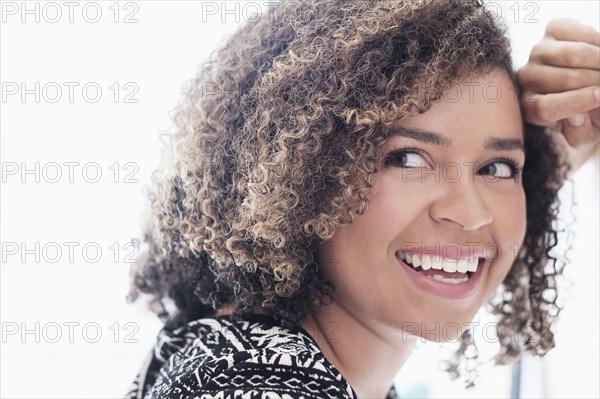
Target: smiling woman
point(344, 187)
point(399, 263)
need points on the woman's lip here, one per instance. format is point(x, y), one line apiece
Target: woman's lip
point(441, 289)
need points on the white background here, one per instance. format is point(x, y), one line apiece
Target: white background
point(155, 55)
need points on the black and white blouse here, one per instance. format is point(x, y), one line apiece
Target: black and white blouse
point(255, 358)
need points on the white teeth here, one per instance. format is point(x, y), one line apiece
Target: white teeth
point(436, 262)
point(461, 265)
point(416, 260)
point(449, 280)
point(450, 265)
point(472, 264)
point(426, 263)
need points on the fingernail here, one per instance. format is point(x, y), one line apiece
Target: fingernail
point(576, 120)
point(597, 94)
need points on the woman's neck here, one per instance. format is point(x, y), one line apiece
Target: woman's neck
point(368, 356)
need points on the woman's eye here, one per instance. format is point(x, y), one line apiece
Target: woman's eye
point(500, 169)
point(406, 159)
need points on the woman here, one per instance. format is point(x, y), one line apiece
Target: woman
point(362, 177)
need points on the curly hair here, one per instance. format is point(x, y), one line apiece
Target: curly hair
point(279, 137)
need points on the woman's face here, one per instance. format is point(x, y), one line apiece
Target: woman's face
point(447, 195)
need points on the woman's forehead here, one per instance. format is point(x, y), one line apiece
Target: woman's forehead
point(477, 108)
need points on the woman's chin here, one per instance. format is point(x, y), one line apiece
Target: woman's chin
point(439, 331)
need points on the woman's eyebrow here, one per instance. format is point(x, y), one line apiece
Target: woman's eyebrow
point(424, 136)
point(503, 144)
point(428, 137)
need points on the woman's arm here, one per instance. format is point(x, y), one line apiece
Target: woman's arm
point(561, 86)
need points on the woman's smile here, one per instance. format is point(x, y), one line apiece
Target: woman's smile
point(447, 265)
point(445, 277)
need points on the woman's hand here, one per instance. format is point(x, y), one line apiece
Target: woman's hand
point(561, 86)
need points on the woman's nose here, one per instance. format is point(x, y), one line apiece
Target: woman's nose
point(461, 205)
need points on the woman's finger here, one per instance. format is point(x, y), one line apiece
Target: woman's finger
point(545, 109)
point(595, 115)
point(566, 54)
point(579, 131)
point(545, 79)
point(572, 30)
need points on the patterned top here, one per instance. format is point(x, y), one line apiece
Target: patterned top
point(255, 358)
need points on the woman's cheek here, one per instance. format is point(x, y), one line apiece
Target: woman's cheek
point(515, 220)
point(510, 223)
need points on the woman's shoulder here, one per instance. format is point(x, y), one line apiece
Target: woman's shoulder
point(224, 357)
